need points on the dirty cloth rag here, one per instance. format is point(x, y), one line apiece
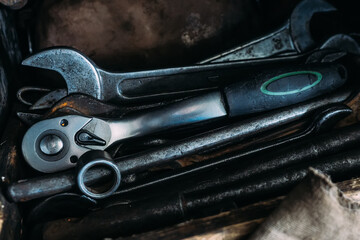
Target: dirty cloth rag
point(315, 209)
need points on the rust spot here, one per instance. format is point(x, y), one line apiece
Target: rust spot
point(55, 108)
point(12, 156)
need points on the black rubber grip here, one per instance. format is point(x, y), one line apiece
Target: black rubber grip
point(277, 88)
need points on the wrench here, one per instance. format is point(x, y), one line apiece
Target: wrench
point(328, 52)
point(322, 121)
point(83, 76)
point(168, 208)
point(292, 38)
point(64, 181)
point(55, 144)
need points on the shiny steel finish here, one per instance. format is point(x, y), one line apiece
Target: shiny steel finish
point(51, 144)
point(44, 163)
point(192, 110)
point(56, 183)
point(292, 38)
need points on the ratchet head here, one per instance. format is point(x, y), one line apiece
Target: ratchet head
point(56, 144)
point(300, 22)
point(80, 73)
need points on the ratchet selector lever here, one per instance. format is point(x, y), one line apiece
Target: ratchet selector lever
point(56, 144)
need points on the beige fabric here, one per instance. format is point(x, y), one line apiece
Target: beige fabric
point(315, 209)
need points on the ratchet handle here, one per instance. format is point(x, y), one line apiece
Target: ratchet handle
point(277, 88)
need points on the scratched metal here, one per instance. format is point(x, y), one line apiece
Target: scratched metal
point(51, 184)
point(168, 209)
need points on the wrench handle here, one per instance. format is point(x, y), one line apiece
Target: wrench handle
point(175, 83)
point(172, 83)
point(282, 87)
point(197, 109)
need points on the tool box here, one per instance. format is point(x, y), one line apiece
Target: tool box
point(176, 119)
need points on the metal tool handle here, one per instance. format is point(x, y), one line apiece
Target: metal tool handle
point(158, 84)
point(282, 87)
point(176, 82)
point(208, 106)
point(64, 181)
point(155, 85)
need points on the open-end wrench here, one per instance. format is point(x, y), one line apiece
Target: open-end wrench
point(54, 144)
point(292, 38)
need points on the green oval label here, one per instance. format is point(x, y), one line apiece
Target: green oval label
point(266, 84)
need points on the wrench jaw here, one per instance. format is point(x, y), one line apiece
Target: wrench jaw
point(300, 22)
point(50, 146)
point(78, 71)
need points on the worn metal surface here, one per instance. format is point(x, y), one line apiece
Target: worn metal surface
point(103, 134)
point(292, 38)
point(80, 104)
point(342, 42)
point(56, 183)
point(322, 121)
point(49, 99)
point(97, 158)
point(242, 98)
point(239, 169)
point(83, 76)
point(161, 211)
point(142, 88)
